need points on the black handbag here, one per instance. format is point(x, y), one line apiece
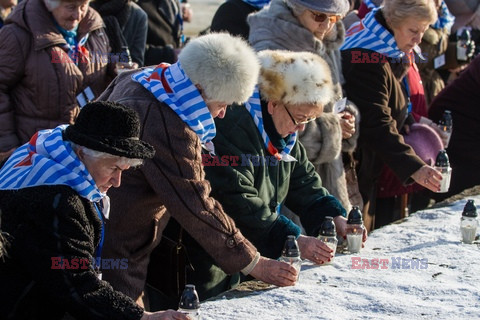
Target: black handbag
point(167, 269)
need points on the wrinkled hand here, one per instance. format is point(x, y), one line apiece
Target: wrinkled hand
point(314, 250)
point(428, 177)
point(275, 272)
point(6, 154)
point(164, 315)
point(347, 123)
point(125, 66)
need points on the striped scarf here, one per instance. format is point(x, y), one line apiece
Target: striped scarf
point(371, 35)
point(170, 85)
point(259, 4)
point(255, 109)
point(445, 18)
point(48, 160)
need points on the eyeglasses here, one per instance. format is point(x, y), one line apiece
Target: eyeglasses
point(321, 17)
point(298, 123)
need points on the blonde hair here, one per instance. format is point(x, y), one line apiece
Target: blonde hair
point(397, 11)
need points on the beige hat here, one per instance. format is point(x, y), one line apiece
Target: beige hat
point(294, 77)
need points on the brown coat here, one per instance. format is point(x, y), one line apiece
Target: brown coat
point(171, 184)
point(34, 92)
point(376, 90)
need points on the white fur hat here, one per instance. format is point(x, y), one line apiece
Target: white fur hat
point(294, 77)
point(226, 67)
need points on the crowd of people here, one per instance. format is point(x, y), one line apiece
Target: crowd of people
point(331, 104)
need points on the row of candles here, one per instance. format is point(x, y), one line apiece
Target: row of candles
point(355, 228)
point(189, 302)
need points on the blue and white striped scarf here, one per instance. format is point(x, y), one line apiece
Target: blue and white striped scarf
point(170, 85)
point(370, 34)
point(259, 4)
point(445, 19)
point(255, 109)
point(48, 160)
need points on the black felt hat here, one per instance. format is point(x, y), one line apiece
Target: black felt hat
point(111, 128)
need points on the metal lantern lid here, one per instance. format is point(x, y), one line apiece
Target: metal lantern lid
point(355, 216)
point(290, 248)
point(442, 159)
point(328, 227)
point(189, 298)
point(470, 210)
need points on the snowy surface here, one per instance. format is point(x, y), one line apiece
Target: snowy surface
point(447, 287)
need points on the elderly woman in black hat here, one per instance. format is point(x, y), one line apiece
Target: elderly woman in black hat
point(54, 207)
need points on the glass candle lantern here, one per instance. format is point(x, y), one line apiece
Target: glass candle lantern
point(442, 164)
point(469, 222)
point(189, 302)
point(291, 253)
point(355, 229)
point(328, 234)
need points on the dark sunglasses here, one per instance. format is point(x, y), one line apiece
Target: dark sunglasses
point(321, 17)
point(297, 123)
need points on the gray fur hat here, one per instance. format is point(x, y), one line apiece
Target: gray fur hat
point(226, 67)
point(338, 7)
point(294, 77)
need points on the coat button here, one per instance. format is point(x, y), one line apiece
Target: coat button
point(230, 242)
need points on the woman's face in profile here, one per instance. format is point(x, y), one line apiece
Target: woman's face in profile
point(318, 23)
point(409, 33)
point(106, 172)
point(69, 13)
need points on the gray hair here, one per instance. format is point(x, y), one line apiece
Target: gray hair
point(103, 155)
point(51, 4)
point(397, 11)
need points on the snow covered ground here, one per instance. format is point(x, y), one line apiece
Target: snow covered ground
point(430, 274)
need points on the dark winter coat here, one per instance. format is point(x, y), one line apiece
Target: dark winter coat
point(172, 184)
point(461, 98)
point(126, 25)
point(375, 87)
point(37, 90)
point(164, 30)
point(44, 223)
point(231, 17)
point(251, 190)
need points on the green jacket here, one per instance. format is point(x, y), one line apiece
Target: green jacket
point(250, 183)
